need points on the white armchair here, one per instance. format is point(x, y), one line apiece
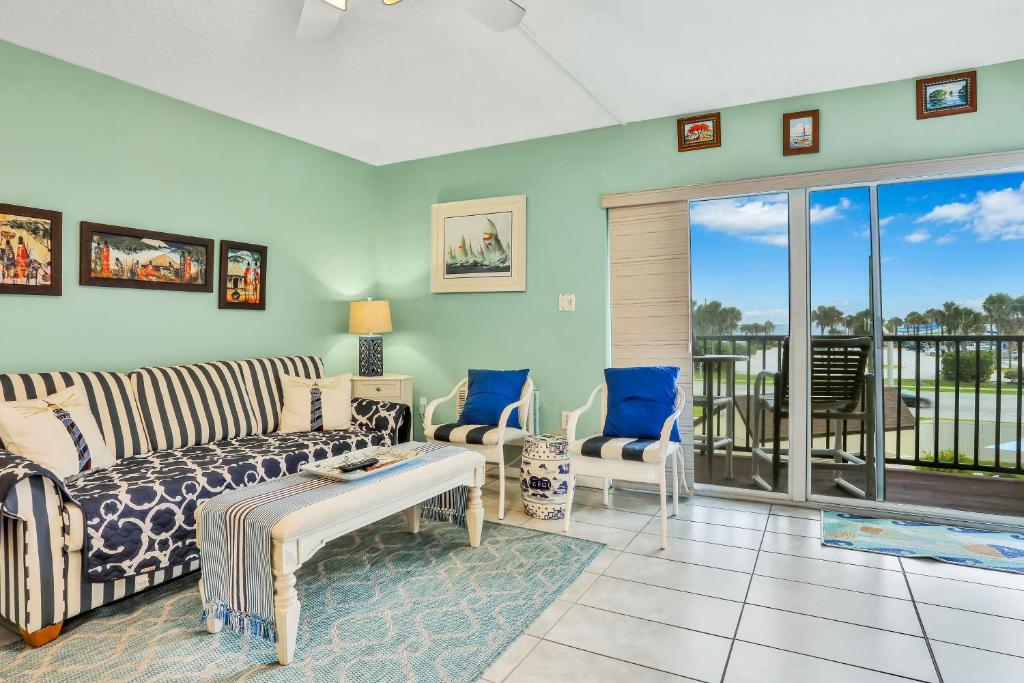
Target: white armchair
point(640, 460)
point(488, 440)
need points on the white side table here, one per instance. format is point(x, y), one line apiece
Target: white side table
point(387, 387)
point(544, 475)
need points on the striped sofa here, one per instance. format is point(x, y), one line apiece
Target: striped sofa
point(180, 435)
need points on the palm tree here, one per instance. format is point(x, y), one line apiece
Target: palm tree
point(917, 320)
point(827, 318)
point(1004, 312)
point(972, 321)
point(769, 327)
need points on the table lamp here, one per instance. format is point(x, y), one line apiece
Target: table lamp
point(369, 319)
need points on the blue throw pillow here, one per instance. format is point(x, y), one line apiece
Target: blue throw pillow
point(489, 392)
point(640, 400)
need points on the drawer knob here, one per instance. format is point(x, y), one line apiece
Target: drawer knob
point(378, 388)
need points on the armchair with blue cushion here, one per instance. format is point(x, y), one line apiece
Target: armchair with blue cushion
point(640, 409)
point(492, 409)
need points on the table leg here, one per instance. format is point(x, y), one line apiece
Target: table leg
point(475, 516)
point(213, 624)
point(286, 613)
point(412, 516)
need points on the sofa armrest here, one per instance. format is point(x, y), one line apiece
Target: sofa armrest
point(382, 416)
point(34, 530)
point(15, 472)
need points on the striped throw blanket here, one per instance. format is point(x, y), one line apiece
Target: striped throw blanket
point(235, 541)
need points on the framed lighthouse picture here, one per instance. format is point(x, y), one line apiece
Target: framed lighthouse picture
point(479, 245)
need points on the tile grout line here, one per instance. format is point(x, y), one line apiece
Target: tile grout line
point(832, 661)
point(746, 595)
point(920, 621)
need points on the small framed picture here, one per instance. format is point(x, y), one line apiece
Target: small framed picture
point(800, 132)
point(113, 256)
point(947, 95)
point(699, 132)
point(29, 250)
point(243, 276)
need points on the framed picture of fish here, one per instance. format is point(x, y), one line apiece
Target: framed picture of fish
point(479, 245)
point(800, 132)
point(699, 132)
point(243, 276)
point(29, 250)
point(946, 95)
point(113, 256)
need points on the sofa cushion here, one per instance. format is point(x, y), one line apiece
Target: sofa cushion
point(109, 394)
point(189, 405)
point(263, 383)
point(140, 513)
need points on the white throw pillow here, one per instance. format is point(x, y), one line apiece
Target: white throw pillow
point(58, 431)
point(316, 405)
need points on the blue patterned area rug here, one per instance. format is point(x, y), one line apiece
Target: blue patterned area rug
point(377, 605)
point(971, 547)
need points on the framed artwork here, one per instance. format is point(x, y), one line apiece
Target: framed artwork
point(113, 256)
point(800, 132)
point(29, 250)
point(699, 132)
point(243, 276)
point(479, 245)
point(946, 95)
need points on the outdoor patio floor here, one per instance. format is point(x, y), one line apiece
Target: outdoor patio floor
point(915, 487)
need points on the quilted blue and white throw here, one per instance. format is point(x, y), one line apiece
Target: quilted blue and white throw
point(235, 539)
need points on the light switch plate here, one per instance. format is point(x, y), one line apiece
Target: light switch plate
point(565, 420)
point(566, 302)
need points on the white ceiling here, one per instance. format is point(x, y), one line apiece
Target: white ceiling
point(423, 78)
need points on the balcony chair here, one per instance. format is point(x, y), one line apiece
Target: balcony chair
point(841, 390)
point(638, 460)
point(488, 440)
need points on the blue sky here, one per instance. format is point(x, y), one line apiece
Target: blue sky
point(956, 239)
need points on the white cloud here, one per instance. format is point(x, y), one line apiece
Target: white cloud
point(996, 214)
point(762, 219)
point(918, 236)
point(886, 221)
point(948, 213)
point(823, 214)
point(948, 238)
point(1000, 214)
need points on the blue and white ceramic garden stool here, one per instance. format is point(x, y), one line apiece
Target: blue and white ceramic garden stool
point(544, 476)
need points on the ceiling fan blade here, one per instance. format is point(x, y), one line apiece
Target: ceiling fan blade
point(498, 15)
point(319, 20)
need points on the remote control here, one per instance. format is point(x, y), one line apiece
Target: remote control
point(358, 465)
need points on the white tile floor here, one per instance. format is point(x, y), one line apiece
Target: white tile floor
point(745, 593)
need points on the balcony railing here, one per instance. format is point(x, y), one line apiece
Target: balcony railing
point(950, 414)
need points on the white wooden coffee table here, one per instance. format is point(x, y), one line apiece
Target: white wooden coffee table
point(299, 535)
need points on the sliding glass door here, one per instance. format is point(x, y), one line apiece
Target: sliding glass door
point(863, 343)
point(740, 271)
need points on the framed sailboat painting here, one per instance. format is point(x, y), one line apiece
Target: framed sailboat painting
point(479, 245)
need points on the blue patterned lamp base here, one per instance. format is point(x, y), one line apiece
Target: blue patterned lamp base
point(371, 355)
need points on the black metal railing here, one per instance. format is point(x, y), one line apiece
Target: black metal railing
point(957, 402)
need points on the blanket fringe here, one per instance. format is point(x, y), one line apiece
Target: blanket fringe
point(240, 622)
point(448, 507)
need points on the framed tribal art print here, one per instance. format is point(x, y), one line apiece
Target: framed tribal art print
point(243, 276)
point(113, 256)
point(30, 253)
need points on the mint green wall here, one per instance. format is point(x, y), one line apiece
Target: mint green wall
point(99, 149)
point(438, 336)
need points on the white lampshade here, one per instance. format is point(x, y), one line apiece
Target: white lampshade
point(369, 317)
